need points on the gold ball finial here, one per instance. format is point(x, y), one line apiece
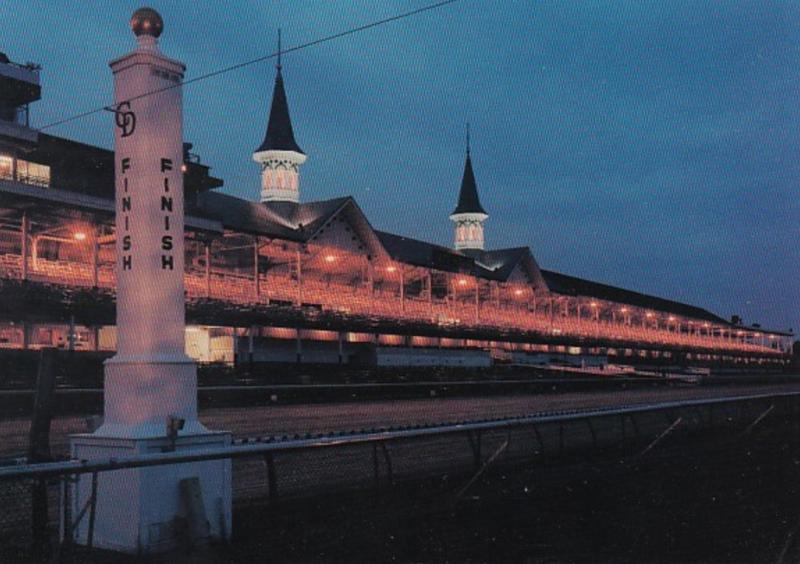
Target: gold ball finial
point(146, 21)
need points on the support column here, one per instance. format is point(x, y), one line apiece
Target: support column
point(370, 277)
point(24, 234)
point(299, 347)
point(256, 281)
point(251, 333)
point(402, 288)
point(341, 347)
point(96, 258)
point(207, 249)
point(430, 291)
point(299, 267)
point(477, 301)
point(71, 334)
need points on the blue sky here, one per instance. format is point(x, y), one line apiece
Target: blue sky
point(651, 145)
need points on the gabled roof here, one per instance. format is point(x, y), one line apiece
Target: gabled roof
point(280, 135)
point(468, 201)
point(246, 216)
point(503, 261)
point(428, 255)
point(284, 220)
point(572, 286)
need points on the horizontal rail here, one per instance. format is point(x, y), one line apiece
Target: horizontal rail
point(350, 439)
point(610, 379)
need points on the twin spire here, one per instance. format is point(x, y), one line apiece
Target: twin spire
point(279, 154)
point(468, 200)
point(280, 135)
point(280, 158)
point(469, 214)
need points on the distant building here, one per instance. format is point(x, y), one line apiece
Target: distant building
point(279, 278)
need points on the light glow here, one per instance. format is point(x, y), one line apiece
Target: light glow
point(80, 236)
point(330, 258)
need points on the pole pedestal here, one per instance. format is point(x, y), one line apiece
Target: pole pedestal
point(140, 510)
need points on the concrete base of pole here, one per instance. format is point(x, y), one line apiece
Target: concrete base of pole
point(141, 510)
point(141, 394)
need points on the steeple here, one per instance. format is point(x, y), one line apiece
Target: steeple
point(279, 154)
point(469, 215)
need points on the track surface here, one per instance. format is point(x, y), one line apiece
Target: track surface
point(269, 419)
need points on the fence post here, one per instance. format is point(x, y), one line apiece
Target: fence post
point(39, 444)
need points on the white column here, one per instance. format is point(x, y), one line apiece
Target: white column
point(150, 377)
point(150, 392)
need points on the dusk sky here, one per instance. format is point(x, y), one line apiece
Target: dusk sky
point(650, 145)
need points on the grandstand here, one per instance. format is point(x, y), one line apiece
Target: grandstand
point(281, 280)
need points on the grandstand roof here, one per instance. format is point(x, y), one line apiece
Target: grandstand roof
point(573, 286)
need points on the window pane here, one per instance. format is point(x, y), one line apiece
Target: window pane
point(6, 168)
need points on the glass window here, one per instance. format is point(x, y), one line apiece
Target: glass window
point(33, 173)
point(6, 168)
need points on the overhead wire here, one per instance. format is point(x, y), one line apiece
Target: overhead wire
point(243, 64)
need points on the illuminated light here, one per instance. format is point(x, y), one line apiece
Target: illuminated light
point(391, 268)
point(706, 325)
point(462, 282)
point(330, 258)
point(624, 310)
point(80, 236)
point(772, 336)
point(649, 314)
point(739, 333)
point(517, 292)
point(183, 168)
point(593, 304)
point(671, 318)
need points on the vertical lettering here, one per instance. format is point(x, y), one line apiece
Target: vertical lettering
point(126, 262)
point(167, 262)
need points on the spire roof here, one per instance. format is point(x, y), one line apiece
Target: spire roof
point(280, 136)
point(468, 201)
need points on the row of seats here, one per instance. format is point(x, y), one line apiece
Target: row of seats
point(358, 300)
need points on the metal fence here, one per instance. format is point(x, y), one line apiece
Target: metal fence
point(292, 467)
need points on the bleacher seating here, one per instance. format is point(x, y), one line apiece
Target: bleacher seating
point(357, 300)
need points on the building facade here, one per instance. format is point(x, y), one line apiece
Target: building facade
point(284, 279)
